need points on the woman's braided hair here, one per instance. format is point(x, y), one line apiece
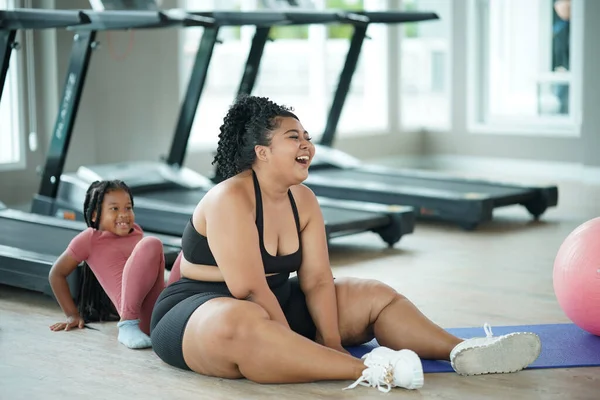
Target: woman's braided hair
point(93, 303)
point(248, 123)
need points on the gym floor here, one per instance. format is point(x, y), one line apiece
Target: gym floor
point(500, 274)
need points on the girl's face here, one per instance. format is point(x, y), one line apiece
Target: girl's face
point(117, 213)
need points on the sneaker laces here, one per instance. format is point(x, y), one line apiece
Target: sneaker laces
point(376, 375)
point(488, 330)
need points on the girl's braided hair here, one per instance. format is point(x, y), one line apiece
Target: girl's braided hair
point(93, 303)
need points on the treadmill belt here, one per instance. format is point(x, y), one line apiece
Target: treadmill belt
point(179, 196)
point(336, 219)
point(333, 215)
point(29, 236)
point(337, 216)
point(413, 183)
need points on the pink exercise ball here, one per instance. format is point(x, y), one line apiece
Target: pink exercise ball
point(576, 276)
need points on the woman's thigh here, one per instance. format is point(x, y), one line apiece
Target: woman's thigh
point(359, 302)
point(209, 340)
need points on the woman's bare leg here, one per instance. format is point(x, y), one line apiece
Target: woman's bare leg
point(232, 339)
point(369, 308)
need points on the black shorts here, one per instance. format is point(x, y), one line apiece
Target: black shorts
point(179, 300)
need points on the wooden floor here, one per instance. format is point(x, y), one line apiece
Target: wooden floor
point(500, 274)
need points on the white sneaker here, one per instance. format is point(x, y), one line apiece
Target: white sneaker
point(495, 354)
point(391, 368)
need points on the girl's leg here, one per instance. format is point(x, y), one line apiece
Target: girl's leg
point(143, 280)
point(150, 300)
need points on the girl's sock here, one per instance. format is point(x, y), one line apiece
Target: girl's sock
point(131, 336)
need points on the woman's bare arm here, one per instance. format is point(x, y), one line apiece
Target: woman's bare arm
point(316, 279)
point(234, 242)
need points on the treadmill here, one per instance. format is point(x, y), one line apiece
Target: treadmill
point(166, 193)
point(30, 243)
point(434, 195)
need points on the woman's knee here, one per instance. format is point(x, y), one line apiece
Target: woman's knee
point(376, 293)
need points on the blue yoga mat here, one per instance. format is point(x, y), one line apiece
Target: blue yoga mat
point(563, 346)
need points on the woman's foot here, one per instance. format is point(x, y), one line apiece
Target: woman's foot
point(387, 368)
point(131, 335)
point(495, 354)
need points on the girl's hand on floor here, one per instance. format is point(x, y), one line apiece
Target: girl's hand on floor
point(72, 322)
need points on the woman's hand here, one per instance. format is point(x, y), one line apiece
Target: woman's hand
point(74, 321)
point(332, 343)
point(338, 347)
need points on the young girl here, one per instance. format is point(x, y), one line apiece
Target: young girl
point(128, 267)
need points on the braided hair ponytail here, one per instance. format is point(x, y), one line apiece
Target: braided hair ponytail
point(248, 123)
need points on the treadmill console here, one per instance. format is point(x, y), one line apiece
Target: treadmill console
point(328, 157)
point(140, 176)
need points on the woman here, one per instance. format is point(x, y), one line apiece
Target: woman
point(235, 312)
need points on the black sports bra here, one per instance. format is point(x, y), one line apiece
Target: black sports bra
point(196, 250)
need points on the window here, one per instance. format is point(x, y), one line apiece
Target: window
point(225, 70)
point(10, 129)
point(299, 68)
point(522, 68)
point(425, 61)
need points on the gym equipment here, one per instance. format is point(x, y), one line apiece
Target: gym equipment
point(166, 192)
point(467, 202)
point(26, 251)
point(576, 276)
point(13, 20)
point(30, 243)
point(337, 175)
point(563, 346)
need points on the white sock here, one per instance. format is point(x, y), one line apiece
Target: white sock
point(131, 335)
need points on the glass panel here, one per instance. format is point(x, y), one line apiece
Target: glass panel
point(425, 61)
point(523, 56)
point(9, 109)
point(303, 72)
point(299, 68)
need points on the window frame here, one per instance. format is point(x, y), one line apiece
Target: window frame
point(16, 78)
point(478, 119)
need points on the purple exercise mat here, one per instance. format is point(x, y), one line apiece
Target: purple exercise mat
point(563, 346)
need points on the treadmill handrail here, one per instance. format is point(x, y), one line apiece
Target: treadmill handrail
point(26, 255)
point(242, 18)
point(306, 17)
point(116, 20)
point(397, 17)
point(74, 225)
point(21, 18)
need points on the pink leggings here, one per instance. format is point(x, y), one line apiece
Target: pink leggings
point(142, 282)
